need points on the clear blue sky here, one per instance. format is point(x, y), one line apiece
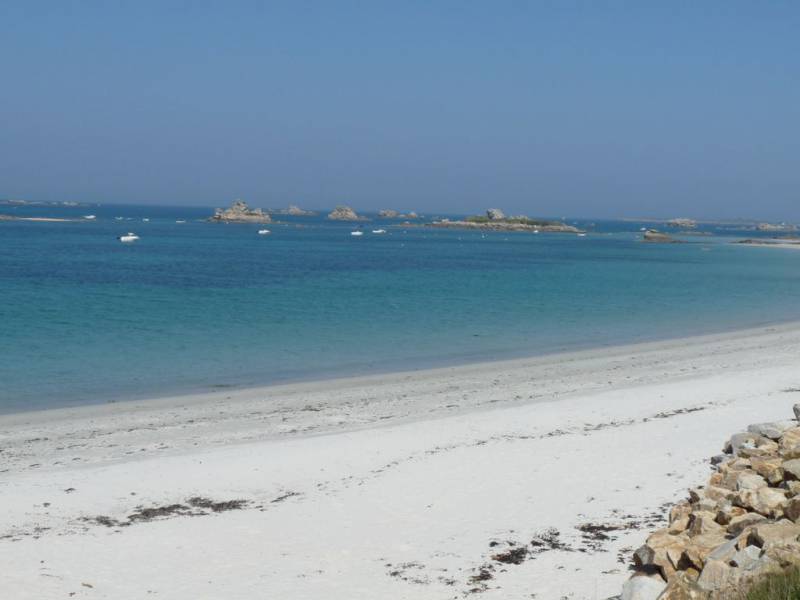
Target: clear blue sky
point(547, 108)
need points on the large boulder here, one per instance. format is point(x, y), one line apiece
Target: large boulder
point(495, 214)
point(642, 587)
point(765, 535)
point(767, 501)
point(662, 551)
point(772, 430)
point(791, 469)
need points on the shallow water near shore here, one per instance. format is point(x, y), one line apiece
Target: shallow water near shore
point(198, 306)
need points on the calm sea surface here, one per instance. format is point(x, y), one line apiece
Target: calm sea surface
point(198, 306)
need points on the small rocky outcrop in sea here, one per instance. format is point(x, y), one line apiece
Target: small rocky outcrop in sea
point(344, 213)
point(492, 222)
point(744, 524)
point(656, 237)
point(295, 211)
point(388, 213)
point(240, 212)
point(776, 227)
point(683, 223)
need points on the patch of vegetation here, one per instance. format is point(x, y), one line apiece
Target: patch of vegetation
point(778, 586)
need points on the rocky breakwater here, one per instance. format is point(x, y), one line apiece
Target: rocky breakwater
point(741, 526)
point(345, 213)
point(240, 212)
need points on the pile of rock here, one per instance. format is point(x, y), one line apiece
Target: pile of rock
point(345, 213)
point(744, 524)
point(654, 236)
point(240, 212)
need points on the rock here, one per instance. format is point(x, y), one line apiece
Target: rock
point(702, 523)
point(765, 535)
point(700, 546)
point(791, 469)
point(764, 448)
point(792, 488)
point(748, 480)
point(344, 213)
point(792, 510)
point(388, 214)
point(718, 459)
point(495, 214)
point(296, 211)
point(789, 446)
point(796, 410)
point(656, 237)
point(736, 464)
point(409, 215)
point(642, 587)
point(679, 517)
point(738, 524)
point(240, 212)
point(783, 554)
point(718, 494)
point(745, 439)
point(766, 501)
point(769, 468)
point(662, 550)
point(683, 223)
point(724, 552)
point(683, 587)
point(717, 575)
point(728, 512)
point(747, 558)
point(772, 430)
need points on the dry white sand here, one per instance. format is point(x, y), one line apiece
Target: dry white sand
point(402, 486)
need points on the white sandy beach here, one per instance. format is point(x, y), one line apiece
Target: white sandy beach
point(397, 486)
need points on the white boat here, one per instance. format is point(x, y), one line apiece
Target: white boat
point(356, 233)
point(180, 221)
point(581, 235)
point(535, 231)
point(129, 237)
point(89, 217)
point(146, 220)
point(118, 218)
point(378, 231)
point(264, 232)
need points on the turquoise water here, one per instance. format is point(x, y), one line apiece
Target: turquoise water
point(201, 306)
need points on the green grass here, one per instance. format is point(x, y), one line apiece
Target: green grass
point(783, 586)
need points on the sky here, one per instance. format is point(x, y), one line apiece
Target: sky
point(595, 109)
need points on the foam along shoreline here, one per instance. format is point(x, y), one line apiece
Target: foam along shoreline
point(412, 485)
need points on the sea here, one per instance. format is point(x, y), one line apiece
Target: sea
point(194, 306)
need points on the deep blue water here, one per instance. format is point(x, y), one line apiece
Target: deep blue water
point(199, 306)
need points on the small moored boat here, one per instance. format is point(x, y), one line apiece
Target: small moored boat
point(89, 217)
point(129, 237)
point(378, 231)
point(264, 232)
point(356, 233)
